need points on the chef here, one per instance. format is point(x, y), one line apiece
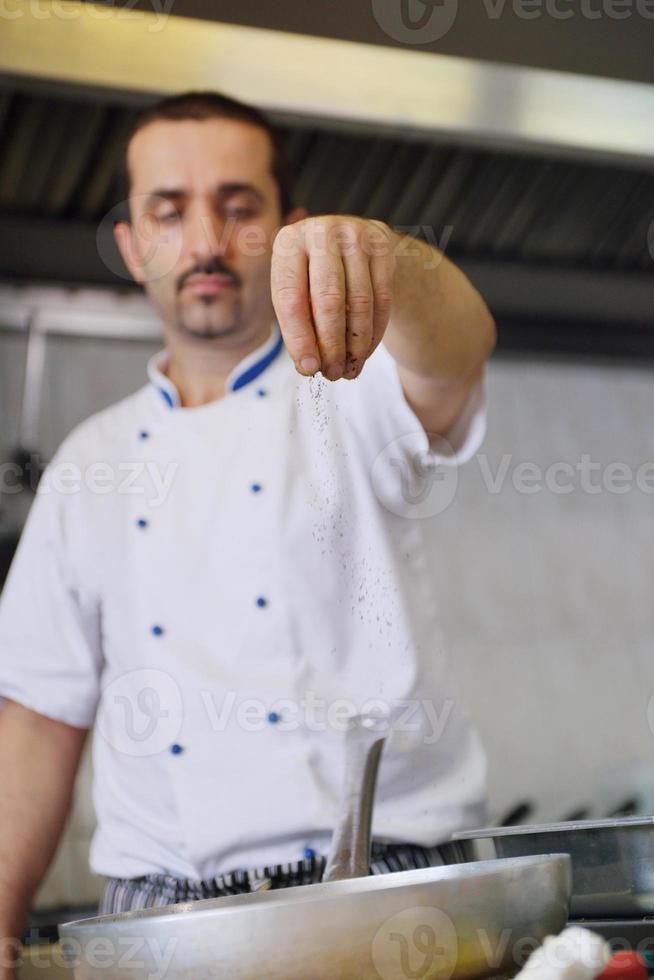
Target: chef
point(222, 569)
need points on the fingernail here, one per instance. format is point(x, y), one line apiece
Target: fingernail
point(309, 365)
point(333, 372)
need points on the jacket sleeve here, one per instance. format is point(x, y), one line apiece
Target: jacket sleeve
point(50, 649)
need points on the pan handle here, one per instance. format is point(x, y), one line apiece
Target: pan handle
point(349, 852)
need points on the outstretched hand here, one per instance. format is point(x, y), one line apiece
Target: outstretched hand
point(332, 291)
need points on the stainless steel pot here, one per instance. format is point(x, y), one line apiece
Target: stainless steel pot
point(612, 860)
point(437, 923)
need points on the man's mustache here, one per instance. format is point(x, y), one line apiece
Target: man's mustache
point(214, 267)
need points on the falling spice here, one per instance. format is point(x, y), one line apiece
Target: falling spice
point(337, 528)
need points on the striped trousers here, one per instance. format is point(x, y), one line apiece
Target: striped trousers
point(156, 890)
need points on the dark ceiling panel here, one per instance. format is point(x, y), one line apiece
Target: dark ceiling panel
point(355, 195)
point(51, 138)
point(59, 160)
point(449, 185)
point(636, 193)
point(594, 37)
point(98, 185)
point(476, 198)
point(316, 177)
point(515, 179)
point(384, 193)
point(297, 144)
point(64, 195)
point(21, 137)
point(409, 203)
point(633, 251)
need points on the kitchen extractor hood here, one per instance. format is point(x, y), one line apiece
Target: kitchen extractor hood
point(303, 77)
point(540, 184)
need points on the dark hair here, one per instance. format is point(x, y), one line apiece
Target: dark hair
point(213, 105)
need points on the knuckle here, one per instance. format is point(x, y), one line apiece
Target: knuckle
point(333, 346)
point(289, 299)
point(383, 299)
point(361, 304)
point(286, 287)
point(287, 244)
point(293, 309)
point(327, 285)
point(346, 236)
point(330, 304)
point(283, 277)
point(286, 235)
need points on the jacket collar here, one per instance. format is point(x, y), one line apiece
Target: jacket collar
point(245, 372)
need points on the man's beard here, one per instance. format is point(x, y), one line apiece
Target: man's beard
point(196, 318)
point(199, 324)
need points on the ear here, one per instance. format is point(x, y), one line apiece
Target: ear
point(123, 234)
point(296, 214)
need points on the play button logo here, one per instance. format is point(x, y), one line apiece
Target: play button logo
point(415, 21)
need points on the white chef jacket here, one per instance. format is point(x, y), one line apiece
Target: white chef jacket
point(220, 588)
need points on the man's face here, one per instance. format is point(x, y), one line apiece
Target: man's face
point(204, 208)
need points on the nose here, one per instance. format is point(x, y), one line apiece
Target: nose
point(206, 235)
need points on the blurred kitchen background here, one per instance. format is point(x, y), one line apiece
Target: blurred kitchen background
point(525, 147)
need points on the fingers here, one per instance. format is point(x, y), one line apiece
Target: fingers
point(289, 280)
point(327, 288)
point(382, 269)
point(342, 301)
point(359, 312)
point(331, 293)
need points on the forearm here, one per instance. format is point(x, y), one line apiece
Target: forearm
point(38, 762)
point(439, 328)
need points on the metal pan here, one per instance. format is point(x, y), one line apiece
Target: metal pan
point(445, 922)
point(612, 860)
